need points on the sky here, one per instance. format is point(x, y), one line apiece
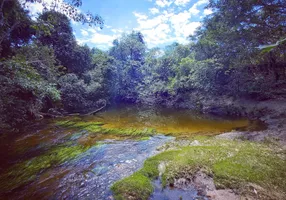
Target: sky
point(162, 22)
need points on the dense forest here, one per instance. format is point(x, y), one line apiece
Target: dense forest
point(239, 51)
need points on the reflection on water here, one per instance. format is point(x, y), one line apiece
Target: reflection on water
point(167, 120)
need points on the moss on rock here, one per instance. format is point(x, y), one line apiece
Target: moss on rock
point(134, 187)
point(233, 164)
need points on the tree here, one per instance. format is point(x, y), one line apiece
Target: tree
point(236, 27)
point(129, 50)
point(75, 58)
point(69, 8)
point(130, 47)
point(27, 80)
point(15, 26)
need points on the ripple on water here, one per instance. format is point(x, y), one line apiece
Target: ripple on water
point(103, 165)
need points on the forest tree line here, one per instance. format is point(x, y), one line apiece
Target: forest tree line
point(44, 70)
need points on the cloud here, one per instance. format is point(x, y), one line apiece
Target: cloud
point(194, 9)
point(167, 27)
point(208, 11)
point(140, 16)
point(154, 11)
point(117, 31)
point(97, 38)
point(181, 2)
point(145, 23)
point(84, 32)
point(36, 7)
point(164, 3)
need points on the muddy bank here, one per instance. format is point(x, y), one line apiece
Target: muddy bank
point(273, 115)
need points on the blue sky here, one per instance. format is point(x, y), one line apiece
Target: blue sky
point(162, 22)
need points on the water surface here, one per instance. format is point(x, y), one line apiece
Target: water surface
point(53, 162)
point(167, 120)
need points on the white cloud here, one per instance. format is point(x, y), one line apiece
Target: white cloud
point(194, 9)
point(167, 27)
point(107, 26)
point(201, 2)
point(181, 2)
point(36, 8)
point(208, 11)
point(84, 32)
point(145, 23)
point(97, 38)
point(117, 31)
point(182, 25)
point(154, 11)
point(164, 3)
point(140, 16)
point(180, 19)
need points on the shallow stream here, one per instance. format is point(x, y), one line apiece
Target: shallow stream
point(53, 162)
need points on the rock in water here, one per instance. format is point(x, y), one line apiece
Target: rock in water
point(195, 143)
point(161, 168)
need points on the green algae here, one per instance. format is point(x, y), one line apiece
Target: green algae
point(233, 164)
point(27, 171)
point(97, 127)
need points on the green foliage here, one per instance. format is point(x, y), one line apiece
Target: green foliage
point(130, 52)
point(26, 80)
point(59, 36)
point(232, 33)
point(15, 26)
point(70, 9)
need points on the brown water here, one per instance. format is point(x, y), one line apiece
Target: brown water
point(41, 155)
point(168, 121)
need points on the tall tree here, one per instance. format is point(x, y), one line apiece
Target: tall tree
point(70, 9)
point(77, 59)
point(232, 33)
point(15, 26)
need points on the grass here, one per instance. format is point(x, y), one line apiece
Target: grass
point(27, 171)
point(233, 164)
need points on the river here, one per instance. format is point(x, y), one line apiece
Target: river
point(54, 162)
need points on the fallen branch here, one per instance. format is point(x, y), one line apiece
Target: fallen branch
point(73, 114)
point(93, 112)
